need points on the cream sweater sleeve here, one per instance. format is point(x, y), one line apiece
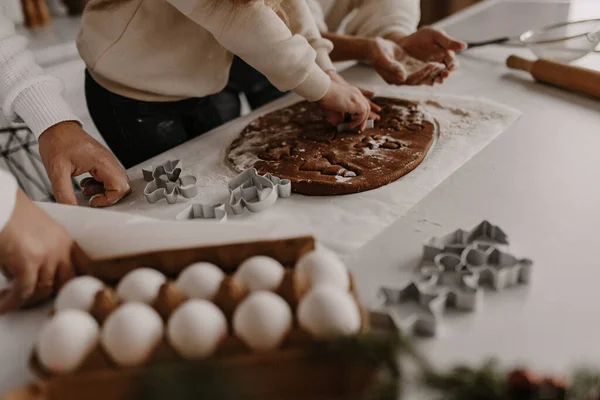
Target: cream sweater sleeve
point(382, 17)
point(257, 34)
point(318, 14)
point(26, 94)
point(301, 22)
point(8, 197)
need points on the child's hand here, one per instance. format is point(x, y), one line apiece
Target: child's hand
point(343, 98)
point(367, 93)
point(35, 254)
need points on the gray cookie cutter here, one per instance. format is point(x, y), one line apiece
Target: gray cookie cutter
point(456, 267)
point(248, 190)
point(255, 192)
point(496, 268)
point(165, 182)
point(416, 308)
point(345, 128)
point(464, 292)
point(457, 241)
point(204, 211)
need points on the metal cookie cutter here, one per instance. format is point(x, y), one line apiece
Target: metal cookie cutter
point(165, 181)
point(496, 268)
point(348, 119)
point(457, 266)
point(248, 190)
point(457, 241)
point(255, 192)
point(463, 288)
point(416, 308)
point(204, 211)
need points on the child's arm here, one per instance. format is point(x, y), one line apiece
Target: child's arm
point(301, 21)
point(318, 14)
point(258, 35)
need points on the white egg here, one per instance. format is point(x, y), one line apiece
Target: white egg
point(262, 321)
point(141, 285)
point(200, 281)
point(327, 311)
point(78, 294)
point(196, 329)
point(322, 267)
point(66, 340)
point(260, 273)
point(131, 333)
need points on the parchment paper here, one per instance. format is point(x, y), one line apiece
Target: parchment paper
point(343, 223)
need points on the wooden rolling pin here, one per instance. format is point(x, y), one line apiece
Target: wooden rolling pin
point(565, 76)
point(37, 13)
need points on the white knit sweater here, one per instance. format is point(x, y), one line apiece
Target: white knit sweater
point(369, 18)
point(26, 94)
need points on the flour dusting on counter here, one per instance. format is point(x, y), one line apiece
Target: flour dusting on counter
point(343, 223)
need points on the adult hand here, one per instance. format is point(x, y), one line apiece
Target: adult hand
point(35, 253)
point(367, 93)
point(430, 45)
point(67, 151)
point(388, 60)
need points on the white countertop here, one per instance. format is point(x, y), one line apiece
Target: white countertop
point(538, 181)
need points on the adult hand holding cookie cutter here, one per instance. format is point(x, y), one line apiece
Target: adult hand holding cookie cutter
point(165, 181)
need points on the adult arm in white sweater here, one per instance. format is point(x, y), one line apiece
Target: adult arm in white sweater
point(28, 95)
point(383, 33)
point(259, 36)
point(371, 18)
point(35, 251)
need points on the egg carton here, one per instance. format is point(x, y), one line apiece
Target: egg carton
point(228, 297)
point(453, 272)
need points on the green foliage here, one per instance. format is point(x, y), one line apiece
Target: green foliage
point(207, 380)
point(188, 381)
point(586, 385)
point(466, 383)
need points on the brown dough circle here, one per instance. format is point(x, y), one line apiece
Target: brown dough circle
point(297, 143)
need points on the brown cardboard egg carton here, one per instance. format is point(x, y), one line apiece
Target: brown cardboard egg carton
point(288, 372)
point(229, 296)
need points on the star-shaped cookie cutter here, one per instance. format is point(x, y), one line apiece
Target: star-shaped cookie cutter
point(416, 308)
point(462, 285)
point(165, 182)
